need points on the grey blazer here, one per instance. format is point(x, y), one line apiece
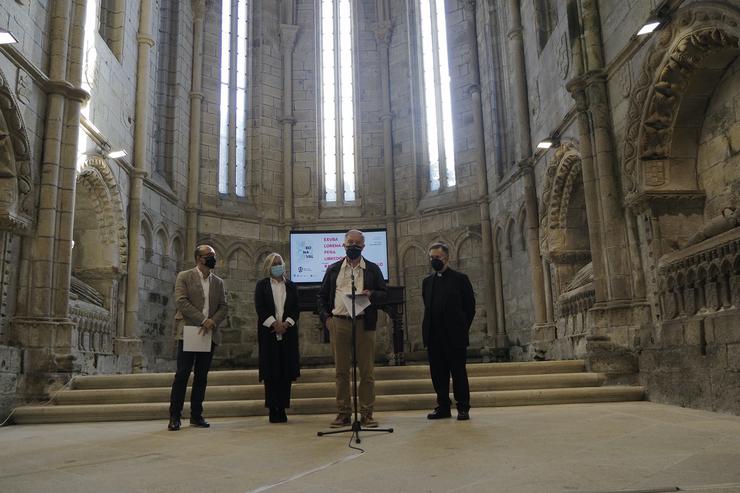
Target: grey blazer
point(189, 299)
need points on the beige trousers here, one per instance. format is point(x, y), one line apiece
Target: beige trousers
point(341, 345)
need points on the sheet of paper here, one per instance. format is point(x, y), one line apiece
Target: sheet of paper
point(361, 302)
point(194, 342)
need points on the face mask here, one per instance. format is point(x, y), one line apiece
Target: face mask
point(353, 252)
point(437, 264)
point(211, 262)
point(277, 270)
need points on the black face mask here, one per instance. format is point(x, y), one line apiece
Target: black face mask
point(354, 252)
point(211, 262)
point(437, 264)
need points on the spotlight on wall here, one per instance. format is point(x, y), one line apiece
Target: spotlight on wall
point(117, 154)
point(548, 143)
point(6, 37)
point(649, 27)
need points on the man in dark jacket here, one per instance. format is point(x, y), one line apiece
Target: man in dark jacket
point(449, 309)
point(337, 284)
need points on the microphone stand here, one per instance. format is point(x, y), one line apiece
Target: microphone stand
point(356, 427)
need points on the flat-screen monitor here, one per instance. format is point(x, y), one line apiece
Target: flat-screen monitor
point(311, 252)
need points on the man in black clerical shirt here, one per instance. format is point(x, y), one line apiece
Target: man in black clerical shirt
point(449, 309)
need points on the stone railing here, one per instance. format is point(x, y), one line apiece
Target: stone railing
point(94, 327)
point(702, 278)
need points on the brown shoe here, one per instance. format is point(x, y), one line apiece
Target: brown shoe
point(368, 422)
point(341, 420)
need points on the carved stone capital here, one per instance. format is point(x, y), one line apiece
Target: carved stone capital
point(199, 9)
point(145, 39)
point(383, 32)
point(287, 120)
point(469, 5)
point(288, 35)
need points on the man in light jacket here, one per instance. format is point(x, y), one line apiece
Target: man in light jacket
point(201, 301)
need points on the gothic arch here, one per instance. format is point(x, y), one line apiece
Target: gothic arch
point(17, 183)
point(463, 238)
point(701, 41)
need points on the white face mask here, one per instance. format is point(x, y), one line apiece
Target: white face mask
point(277, 270)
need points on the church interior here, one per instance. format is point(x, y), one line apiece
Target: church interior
point(580, 158)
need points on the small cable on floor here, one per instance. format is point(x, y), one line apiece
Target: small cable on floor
point(46, 403)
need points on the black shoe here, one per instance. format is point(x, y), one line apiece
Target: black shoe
point(439, 413)
point(199, 422)
point(282, 416)
point(174, 424)
point(274, 415)
point(463, 415)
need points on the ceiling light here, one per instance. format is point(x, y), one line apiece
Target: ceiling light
point(6, 37)
point(117, 154)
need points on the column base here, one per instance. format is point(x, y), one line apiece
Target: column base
point(544, 332)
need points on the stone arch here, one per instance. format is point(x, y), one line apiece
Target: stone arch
point(522, 221)
point(662, 134)
point(509, 237)
point(147, 233)
point(178, 250)
point(564, 232)
point(17, 182)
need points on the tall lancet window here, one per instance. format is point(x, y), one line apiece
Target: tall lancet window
point(337, 100)
point(437, 99)
point(232, 170)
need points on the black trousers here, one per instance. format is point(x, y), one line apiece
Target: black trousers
point(277, 393)
point(199, 363)
point(445, 360)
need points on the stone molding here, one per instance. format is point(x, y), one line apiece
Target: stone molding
point(97, 175)
point(560, 178)
point(695, 33)
point(18, 207)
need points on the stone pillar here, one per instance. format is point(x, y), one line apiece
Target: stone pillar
point(482, 169)
point(196, 101)
point(42, 328)
point(383, 33)
point(145, 44)
point(68, 165)
point(519, 79)
point(542, 329)
point(288, 33)
point(501, 339)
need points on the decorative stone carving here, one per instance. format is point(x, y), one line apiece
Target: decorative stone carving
point(23, 86)
point(563, 56)
point(97, 175)
point(625, 80)
point(701, 278)
point(18, 204)
point(655, 98)
point(562, 173)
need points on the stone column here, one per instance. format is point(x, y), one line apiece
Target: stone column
point(519, 78)
point(145, 44)
point(383, 33)
point(501, 339)
point(68, 165)
point(542, 330)
point(480, 157)
point(196, 101)
point(42, 327)
point(288, 33)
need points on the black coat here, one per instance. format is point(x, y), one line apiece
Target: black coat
point(372, 280)
point(277, 359)
point(459, 308)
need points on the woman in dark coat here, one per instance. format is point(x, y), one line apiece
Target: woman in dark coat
point(276, 301)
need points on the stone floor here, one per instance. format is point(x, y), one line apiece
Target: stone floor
point(636, 446)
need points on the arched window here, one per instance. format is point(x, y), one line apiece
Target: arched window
point(437, 98)
point(232, 158)
point(337, 100)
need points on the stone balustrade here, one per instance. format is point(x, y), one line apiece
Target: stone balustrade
point(701, 279)
point(94, 327)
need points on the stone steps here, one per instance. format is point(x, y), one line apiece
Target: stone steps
point(313, 375)
point(238, 393)
point(326, 389)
